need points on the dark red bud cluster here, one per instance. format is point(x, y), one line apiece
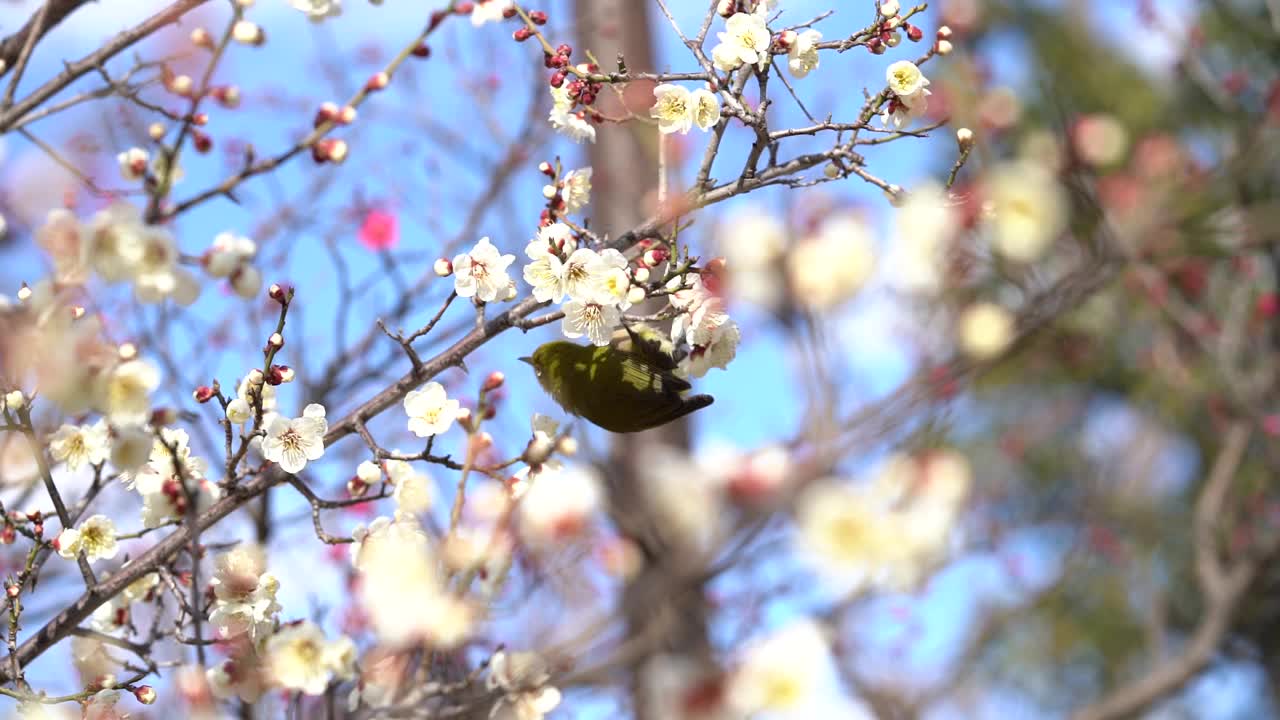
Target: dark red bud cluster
point(876, 46)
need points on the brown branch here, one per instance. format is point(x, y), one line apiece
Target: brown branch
point(1223, 588)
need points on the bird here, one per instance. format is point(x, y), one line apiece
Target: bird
point(620, 389)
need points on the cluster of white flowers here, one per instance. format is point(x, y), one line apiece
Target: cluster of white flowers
point(244, 595)
point(678, 110)
point(598, 286)
point(523, 679)
point(403, 587)
point(703, 323)
point(118, 246)
point(555, 502)
point(909, 90)
point(231, 256)
point(887, 532)
point(782, 674)
point(167, 476)
point(296, 656)
point(745, 41)
point(802, 52)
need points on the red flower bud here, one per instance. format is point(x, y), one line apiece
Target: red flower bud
point(538, 17)
point(914, 33)
point(378, 81)
point(522, 34)
point(494, 381)
point(203, 394)
point(145, 694)
point(421, 50)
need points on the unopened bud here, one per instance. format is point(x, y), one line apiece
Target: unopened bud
point(443, 267)
point(201, 38)
point(832, 170)
point(786, 39)
point(248, 33)
point(77, 312)
point(641, 274)
point(964, 138)
point(546, 168)
point(203, 394)
point(145, 694)
point(521, 34)
point(357, 487)
point(494, 381)
point(127, 351)
point(24, 292)
point(464, 417)
point(567, 446)
point(347, 115)
point(944, 33)
point(227, 95)
point(328, 112)
point(13, 591)
point(510, 293)
point(654, 257)
point(15, 400)
point(281, 374)
point(255, 378)
point(164, 416)
point(155, 130)
point(549, 191)
point(378, 81)
point(889, 8)
point(726, 8)
point(8, 535)
point(944, 47)
point(276, 341)
point(893, 23)
point(368, 472)
point(914, 33)
point(894, 40)
point(278, 293)
point(181, 85)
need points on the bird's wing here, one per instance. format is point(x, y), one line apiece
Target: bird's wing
point(641, 374)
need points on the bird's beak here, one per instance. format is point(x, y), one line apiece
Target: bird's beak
point(526, 359)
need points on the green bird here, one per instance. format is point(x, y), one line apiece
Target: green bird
point(622, 389)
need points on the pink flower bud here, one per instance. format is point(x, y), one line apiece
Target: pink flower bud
point(201, 38)
point(494, 381)
point(279, 293)
point(203, 394)
point(443, 267)
point(145, 694)
point(379, 81)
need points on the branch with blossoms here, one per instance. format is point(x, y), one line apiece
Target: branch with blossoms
point(426, 579)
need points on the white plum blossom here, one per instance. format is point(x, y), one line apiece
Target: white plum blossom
point(126, 391)
point(113, 242)
point(595, 318)
point(782, 673)
point(704, 108)
point(430, 410)
point(486, 11)
point(239, 412)
point(1026, 209)
point(611, 280)
point(802, 57)
point(133, 163)
point(77, 445)
point(300, 658)
point(566, 121)
point(923, 227)
point(244, 594)
point(578, 274)
point(414, 493)
point(130, 447)
point(910, 94)
point(523, 678)
point(95, 536)
point(546, 271)
point(745, 40)
point(577, 189)
point(157, 274)
point(720, 348)
point(558, 504)
point(831, 267)
point(481, 273)
point(292, 443)
point(673, 108)
point(985, 330)
point(229, 253)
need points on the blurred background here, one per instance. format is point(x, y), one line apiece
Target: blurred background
point(1069, 387)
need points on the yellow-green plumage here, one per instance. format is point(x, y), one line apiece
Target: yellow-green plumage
point(620, 390)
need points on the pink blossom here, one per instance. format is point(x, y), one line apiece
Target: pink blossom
point(380, 230)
